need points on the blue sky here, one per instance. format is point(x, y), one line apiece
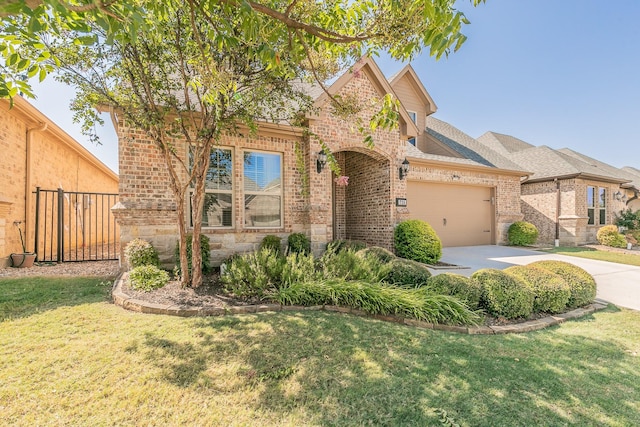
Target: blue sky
point(562, 73)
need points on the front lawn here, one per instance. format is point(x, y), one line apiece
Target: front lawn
point(80, 360)
point(581, 252)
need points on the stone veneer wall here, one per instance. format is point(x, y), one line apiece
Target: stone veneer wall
point(506, 191)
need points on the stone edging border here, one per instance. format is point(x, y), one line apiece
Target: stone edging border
point(126, 302)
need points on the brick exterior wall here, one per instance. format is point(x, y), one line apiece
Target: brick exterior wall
point(539, 205)
point(57, 161)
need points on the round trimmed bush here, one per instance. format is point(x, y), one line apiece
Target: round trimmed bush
point(407, 273)
point(381, 254)
point(416, 240)
point(609, 236)
point(551, 292)
point(522, 233)
point(139, 252)
point(581, 283)
point(503, 294)
point(147, 278)
point(464, 288)
point(299, 243)
point(272, 243)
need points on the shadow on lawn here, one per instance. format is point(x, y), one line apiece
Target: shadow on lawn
point(25, 296)
point(346, 370)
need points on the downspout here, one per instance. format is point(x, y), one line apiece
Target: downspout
point(27, 180)
point(557, 241)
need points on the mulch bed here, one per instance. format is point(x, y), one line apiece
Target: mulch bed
point(212, 294)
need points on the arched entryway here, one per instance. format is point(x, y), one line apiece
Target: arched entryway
point(362, 210)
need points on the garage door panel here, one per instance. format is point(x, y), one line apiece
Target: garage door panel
point(460, 215)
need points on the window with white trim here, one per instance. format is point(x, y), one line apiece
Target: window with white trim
point(218, 198)
point(262, 190)
point(596, 205)
point(414, 116)
point(412, 141)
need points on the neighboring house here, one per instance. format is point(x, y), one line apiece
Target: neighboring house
point(633, 195)
point(255, 188)
point(568, 196)
point(37, 153)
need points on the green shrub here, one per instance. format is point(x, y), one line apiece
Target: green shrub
point(416, 240)
point(407, 273)
point(628, 219)
point(139, 252)
point(522, 233)
point(382, 254)
point(299, 242)
point(147, 278)
point(503, 294)
point(204, 248)
point(609, 236)
point(272, 242)
point(343, 245)
point(581, 283)
point(378, 299)
point(464, 288)
point(253, 275)
point(298, 267)
point(551, 292)
point(350, 265)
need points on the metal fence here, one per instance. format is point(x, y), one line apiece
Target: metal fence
point(75, 226)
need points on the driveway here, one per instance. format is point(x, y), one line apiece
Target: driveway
point(617, 283)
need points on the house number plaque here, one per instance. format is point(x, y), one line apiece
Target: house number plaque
point(401, 202)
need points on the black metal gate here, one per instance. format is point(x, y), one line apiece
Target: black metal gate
point(75, 226)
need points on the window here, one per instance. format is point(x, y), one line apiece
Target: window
point(262, 189)
point(218, 198)
point(414, 116)
point(597, 205)
point(412, 141)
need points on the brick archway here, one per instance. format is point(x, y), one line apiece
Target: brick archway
point(363, 210)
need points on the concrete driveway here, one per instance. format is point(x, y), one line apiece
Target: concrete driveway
point(617, 283)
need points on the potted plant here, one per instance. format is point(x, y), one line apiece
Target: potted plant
point(25, 259)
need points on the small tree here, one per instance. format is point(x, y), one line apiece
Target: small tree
point(199, 68)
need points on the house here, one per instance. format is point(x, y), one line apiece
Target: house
point(568, 196)
point(469, 193)
point(37, 153)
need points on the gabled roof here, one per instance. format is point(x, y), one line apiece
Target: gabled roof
point(503, 144)
point(473, 151)
point(410, 74)
point(368, 66)
point(610, 170)
point(547, 164)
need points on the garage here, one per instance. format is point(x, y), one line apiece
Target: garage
point(461, 215)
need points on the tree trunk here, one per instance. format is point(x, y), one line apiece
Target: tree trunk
point(201, 166)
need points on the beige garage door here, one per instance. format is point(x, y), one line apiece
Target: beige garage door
point(461, 215)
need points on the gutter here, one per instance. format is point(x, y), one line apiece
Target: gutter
point(41, 127)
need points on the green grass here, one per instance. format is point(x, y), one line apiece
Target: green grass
point(617, 257)
point(83, 361)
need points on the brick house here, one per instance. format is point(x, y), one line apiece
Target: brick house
point(257, 187)
point(37, 153)
point(569, 196)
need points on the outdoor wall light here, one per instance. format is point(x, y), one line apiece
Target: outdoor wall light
point(321, 161)
point(617, 196)
point(404, 169)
